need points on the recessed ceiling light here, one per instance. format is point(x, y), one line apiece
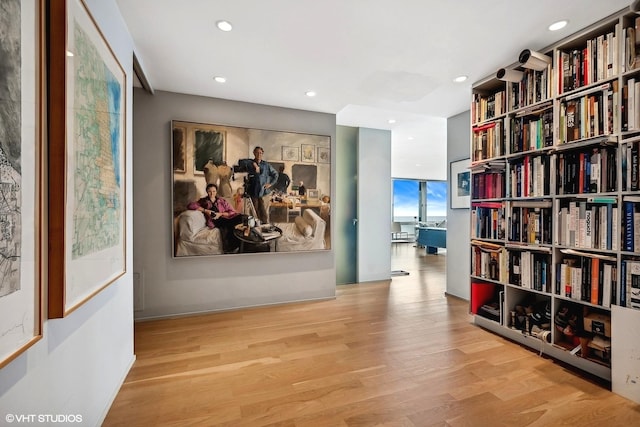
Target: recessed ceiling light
point(224, 25)
point(558, 25)
point(391, 121)
point(460, 79)
point(220, 79)
point(410, 138)
point(310, 93)
point(418, 164)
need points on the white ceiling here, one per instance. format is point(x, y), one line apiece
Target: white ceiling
point(368, 60)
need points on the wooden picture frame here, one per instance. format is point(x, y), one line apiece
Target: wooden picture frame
point(460, 184)
point(21, 176)
point(308, 153)
point(87, 145)
point(290, 154)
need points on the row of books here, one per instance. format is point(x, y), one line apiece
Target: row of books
point(487, 220)
point(488, 261)
point(589, 114)
point(630, 283)
point(531, 270)
point(531, 222)
point(534, 87)
point(590, 170)
point(488, 185)
point(487, 107)
point(588, 224)
point(488, 141)
point(596, 61)
point(589, 279)
point(529, 176)
point(531, 132)
point(631, 105)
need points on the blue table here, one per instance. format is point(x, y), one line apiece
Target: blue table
point(432, 238)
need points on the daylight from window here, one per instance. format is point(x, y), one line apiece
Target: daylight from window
point(406, 201)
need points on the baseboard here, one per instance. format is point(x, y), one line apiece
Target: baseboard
point(115, 392)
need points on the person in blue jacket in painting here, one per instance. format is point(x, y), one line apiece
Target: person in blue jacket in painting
point(261, 178)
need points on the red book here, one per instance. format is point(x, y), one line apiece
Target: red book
point(595, 280)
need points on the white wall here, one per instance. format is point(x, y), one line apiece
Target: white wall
point(172, 286)
point(81, 361)
point(374, 204)
point(458, 220)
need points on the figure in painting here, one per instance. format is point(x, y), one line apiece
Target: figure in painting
point(219, 213)
point(262, 176)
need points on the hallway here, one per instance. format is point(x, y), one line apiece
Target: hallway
point(396, 353)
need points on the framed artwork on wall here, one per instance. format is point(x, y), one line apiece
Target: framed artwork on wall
point(22, 182)
point(248, 196)
point(308, 153)
point(460, 184)
point(86, 159)
point(291, 154)
point(324, 155)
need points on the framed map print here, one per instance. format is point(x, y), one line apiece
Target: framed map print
point(87, 163)
point(21, 178)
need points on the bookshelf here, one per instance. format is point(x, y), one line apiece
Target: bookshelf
point(555, 205)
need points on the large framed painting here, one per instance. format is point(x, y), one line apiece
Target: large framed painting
point(87, 89)
point(21, 179)
point(244, 195)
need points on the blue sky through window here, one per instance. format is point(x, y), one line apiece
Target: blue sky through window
point(406, 200)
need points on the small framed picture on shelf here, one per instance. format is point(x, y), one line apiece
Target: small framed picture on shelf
point(291, 154)
point(460, 184)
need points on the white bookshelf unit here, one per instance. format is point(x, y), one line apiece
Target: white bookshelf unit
point(555, 205)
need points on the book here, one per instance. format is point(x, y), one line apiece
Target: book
point(595, 280)
point(607, 270)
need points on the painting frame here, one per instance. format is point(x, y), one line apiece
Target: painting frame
point(460, 184)
point(21, 282)
point(194, 229)
point(87, 159)
point(324, 155)
point(290, 154)
point(308, 153)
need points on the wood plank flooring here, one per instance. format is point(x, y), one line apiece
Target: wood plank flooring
point(397, 353)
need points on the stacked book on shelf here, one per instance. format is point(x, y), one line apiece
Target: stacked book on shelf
point(587, 170)
point(488, 260)
point(590, 223)
point(529, 176)
point(587, 277)
point(630, 283)
point(530, 269)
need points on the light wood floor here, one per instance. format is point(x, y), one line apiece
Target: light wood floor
point(392, 354)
